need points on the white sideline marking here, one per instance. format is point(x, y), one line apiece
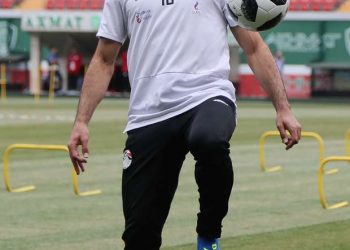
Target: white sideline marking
point(26, 117)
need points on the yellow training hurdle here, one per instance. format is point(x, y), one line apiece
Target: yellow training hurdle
point(52, 81)
point(267, 134)
point(6, 160)
point(3, 81)
point(347, 143)
point(321, 183)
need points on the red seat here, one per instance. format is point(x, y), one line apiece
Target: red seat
point(7, 4)
point(314, 5)
point(60, 4)
point(50, 4)
point(304, 7)
point(293, 6)
point(328, 6)
point(84, 4)
point(55, 4)
point(72, 4)
point(334, 2)
point(97, 4)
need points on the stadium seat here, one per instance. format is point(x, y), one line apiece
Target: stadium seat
point(315, 5)
point(304, 6)
point(60, 4)
point(7, 4)
point(75, 4)
point(50, 4)
point(293, 6)
point(328, 6)
point(84, 4)
point(97, 4)
point(72, 4)
point(55, 4)
point(345, 7)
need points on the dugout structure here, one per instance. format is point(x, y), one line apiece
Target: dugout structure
point(6, 160)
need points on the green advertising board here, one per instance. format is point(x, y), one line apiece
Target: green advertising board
point(4, 47)
point(306, 42)
point(13, 41)
point(337, 42)
point(59, 21)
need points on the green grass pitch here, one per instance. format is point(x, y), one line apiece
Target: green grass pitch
point(267, 210)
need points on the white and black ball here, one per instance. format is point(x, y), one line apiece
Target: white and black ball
point(258, 15)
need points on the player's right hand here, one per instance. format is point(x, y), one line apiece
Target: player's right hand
point(79, 137)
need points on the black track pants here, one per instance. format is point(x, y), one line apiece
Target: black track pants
point(153, 157)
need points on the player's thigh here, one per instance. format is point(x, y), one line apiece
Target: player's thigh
point(153, 158)
point(213, 123)
point(141, 162)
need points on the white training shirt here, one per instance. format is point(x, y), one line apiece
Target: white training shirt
point(178, 54)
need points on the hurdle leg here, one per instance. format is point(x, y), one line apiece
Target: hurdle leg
point(321, 173)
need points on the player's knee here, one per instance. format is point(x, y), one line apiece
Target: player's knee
point(208, 145)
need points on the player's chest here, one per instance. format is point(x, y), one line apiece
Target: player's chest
point(143, 10)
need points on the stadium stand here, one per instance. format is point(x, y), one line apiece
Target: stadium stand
point(315, 5)
point(345, 7)
point(8, 4)
point(32, 5)
point(295, 5)
point(75, 4)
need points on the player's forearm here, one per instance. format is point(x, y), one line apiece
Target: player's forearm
point(262, 63)
point(94, 88)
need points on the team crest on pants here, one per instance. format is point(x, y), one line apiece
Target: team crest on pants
point(127, 159)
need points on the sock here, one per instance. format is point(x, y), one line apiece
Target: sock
point(207, 244)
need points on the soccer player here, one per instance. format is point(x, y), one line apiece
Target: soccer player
point(181, 101)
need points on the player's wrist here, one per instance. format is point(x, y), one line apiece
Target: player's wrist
point(283, 108)
point(79, 121)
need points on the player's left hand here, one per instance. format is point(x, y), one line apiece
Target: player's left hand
point(286, 121)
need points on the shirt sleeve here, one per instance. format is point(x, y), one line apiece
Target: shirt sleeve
point(113, 23)
point(231, 22)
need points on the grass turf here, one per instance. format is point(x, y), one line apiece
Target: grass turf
point(330, 236)
point(261, 206)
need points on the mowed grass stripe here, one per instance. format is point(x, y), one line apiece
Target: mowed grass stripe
point(328, 236)
point(53, 218)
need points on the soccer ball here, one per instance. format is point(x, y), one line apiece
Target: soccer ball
point(258, 15)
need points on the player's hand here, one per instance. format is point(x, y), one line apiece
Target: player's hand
point(79, 137)
point(286, 121)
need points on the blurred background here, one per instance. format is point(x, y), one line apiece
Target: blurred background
point(47, 45)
